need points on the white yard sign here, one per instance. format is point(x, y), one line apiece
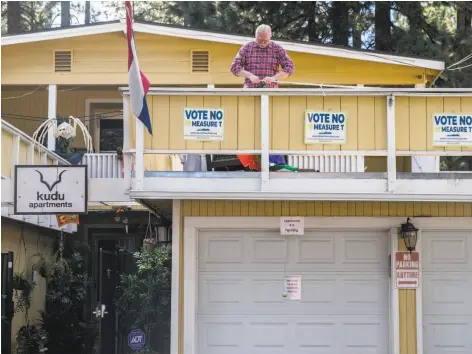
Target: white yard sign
point(325, 127)
point(204, 124)
point(293, 287)
point(292, 225)
point(452, 129)
point(51, 190)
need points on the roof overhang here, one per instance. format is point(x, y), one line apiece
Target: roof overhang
point(219, 38)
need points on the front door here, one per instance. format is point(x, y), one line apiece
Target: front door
point(107, 284)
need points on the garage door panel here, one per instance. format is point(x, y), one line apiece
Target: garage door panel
point(269, 251)
point(257, 293)
point(448, 293)
point(448, 334)
point(220, 336)
point(449, 250)
point(290, 334)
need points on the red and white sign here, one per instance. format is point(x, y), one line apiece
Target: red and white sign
point(407, 269)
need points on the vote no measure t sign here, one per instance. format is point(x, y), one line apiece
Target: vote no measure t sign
point(136, 339)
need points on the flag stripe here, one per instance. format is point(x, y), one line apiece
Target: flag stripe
point(137, 81)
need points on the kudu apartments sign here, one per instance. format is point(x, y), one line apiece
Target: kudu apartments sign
point(50, 189)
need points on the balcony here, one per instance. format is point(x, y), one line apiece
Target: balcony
point(388, 132)
point(107, 183)
point(18, 149)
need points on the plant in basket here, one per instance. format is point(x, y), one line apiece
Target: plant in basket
point(149, 243)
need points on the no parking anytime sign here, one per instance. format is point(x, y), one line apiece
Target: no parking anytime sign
point(407, 269)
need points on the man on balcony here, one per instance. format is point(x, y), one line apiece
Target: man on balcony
point(258, 62)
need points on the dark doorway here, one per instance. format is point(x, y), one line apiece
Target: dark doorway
point(113, 256)
point(106, 292)
point(7, 300)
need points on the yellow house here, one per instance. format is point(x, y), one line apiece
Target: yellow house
point(368, 138)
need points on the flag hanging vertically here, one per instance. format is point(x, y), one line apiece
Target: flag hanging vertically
point(138, 83)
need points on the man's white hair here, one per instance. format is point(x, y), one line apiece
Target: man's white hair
point(263, 29)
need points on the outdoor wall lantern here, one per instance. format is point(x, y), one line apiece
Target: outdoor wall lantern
point(409, 234)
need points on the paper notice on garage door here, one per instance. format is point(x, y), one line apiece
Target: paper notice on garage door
point(293, 287)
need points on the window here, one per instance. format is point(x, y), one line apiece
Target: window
point(111, 134)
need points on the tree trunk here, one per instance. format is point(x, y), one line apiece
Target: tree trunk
point(13, 17)
point(340, 22)
point(65, 14)
point(464, 18)
point(355, 26)
point(312, 28)
point(87, 12)
point(383, 36)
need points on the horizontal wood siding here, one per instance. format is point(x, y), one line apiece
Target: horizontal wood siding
point(327, 208)
point(166, 60)
point(414, 120)
point(407, 298)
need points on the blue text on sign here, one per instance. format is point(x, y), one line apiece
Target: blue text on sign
point(202, 114)
point(326, 118)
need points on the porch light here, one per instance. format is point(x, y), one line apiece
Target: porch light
point(409, 234)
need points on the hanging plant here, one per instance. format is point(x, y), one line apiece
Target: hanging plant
point(23, 289)
point(149, 244)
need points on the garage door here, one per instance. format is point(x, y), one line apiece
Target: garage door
point(344, 293)
point(447, 292)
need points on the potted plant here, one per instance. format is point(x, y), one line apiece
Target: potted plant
point(30, 339)
point(149, 244)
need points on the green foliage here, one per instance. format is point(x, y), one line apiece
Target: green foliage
point(67, 288)
point(30, 339)
point(456, 163)
point(144, 300)
point(23, 288)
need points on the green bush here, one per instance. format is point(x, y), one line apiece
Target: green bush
point(144, 299)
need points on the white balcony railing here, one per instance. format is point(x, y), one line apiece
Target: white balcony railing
point(103, 165)
point(344, 174)
point(326, 163)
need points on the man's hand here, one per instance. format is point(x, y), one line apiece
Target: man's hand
point(254, 79)
point(269, 79)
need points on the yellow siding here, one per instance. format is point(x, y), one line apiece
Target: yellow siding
point(366, 122)
point(407, 299)
point(34, 240)
point(414, 120)
point(7, 142)
point(27, 113)
point(166, 61)
point(366, 126)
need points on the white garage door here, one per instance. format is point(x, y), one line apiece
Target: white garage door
point(447, 292)
point(344, 299)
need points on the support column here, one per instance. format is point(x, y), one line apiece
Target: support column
point(139, 170)
point(265, 147)
point(392, 153)
point(52, 113)
point(127, 157)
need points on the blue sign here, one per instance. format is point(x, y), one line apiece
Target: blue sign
point(136, 339)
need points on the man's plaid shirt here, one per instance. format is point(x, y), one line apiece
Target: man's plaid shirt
point(262, 62)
